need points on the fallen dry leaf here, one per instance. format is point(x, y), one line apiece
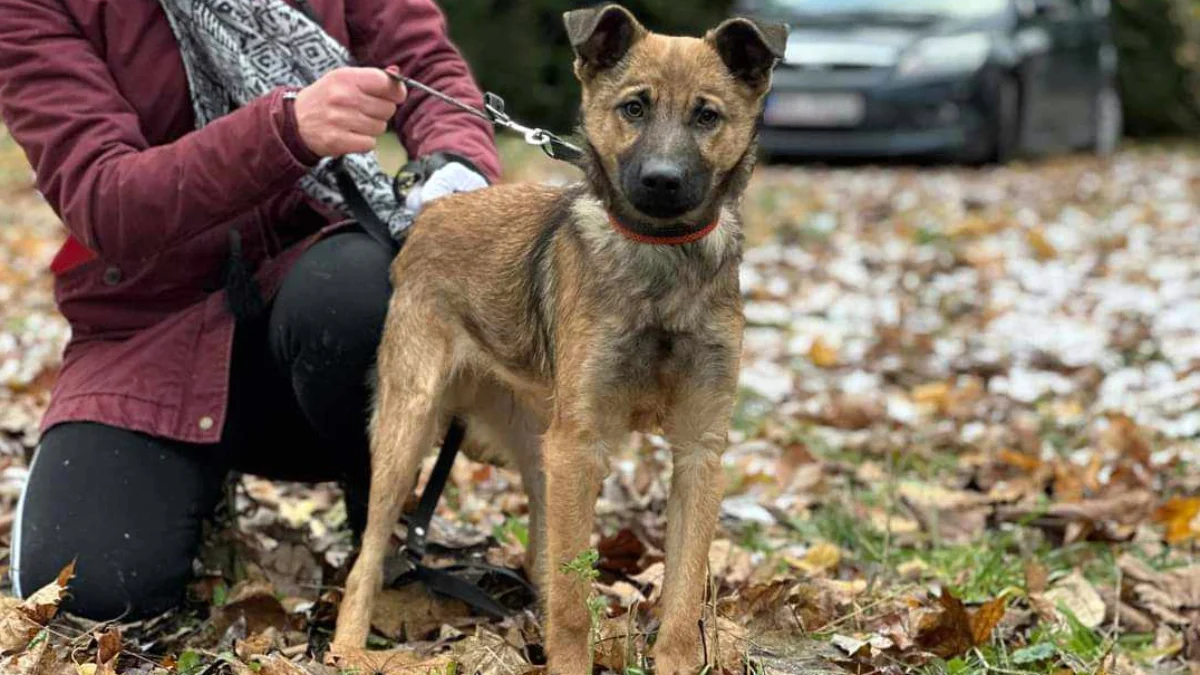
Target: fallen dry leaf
point(1169, 595)
point(1042, 248)
point(621, 553)
point(20, 622)
point(411, 612)
point(945, 631)
point(819, 559)
point(1077, 595)
point(1181, 517)
point(985, 619)
point(486, 653)
point(950, 630)
point(398, 661)
point(1036, 577)
point(255, 603)
point(823, 354)
point(42, 659)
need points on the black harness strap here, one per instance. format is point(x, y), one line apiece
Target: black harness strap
point(445, 580)
point(360, 210)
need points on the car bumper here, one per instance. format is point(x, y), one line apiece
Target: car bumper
point(864, 144)
point(942, 118)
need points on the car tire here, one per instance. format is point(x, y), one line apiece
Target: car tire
point(1107, 120)
point(1006, 124)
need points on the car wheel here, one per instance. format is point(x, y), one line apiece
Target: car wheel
point(1006, 124)
point(1108, 120)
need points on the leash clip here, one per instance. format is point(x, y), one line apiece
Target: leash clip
point(554, 146)
point(547, 141)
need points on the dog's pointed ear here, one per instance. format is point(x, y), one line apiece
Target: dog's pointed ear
point(750, 49)
point(601, 36)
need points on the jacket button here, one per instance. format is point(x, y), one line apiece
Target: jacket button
point(112, 276)
point(206, 423)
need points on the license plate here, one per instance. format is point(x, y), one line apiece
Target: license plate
point(814, 110)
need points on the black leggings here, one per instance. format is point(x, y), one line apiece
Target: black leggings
point(130, 507)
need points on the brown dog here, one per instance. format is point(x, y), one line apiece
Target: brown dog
point(556, 320)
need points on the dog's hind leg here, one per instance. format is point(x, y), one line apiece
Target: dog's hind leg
point(697, 429)
point(413, 370)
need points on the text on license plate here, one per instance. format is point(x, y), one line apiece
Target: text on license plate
point(817, 110)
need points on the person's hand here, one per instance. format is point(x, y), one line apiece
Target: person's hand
point(451, 178)
point(346, 110)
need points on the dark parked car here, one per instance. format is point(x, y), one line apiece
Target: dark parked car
point(972, 80)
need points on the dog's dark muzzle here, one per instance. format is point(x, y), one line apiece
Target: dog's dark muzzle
point(661, 188)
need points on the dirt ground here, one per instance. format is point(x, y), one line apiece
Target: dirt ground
point(967, 442)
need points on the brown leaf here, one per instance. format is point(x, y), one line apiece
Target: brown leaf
point(819, 559)
point(257, 644)
point(1075, 593)
point(1042, 248)
point(729, 563)
point(1127, 508)
point(1166, 595)
point(625, 593)
point(489, 654)
point(1036, 577)
point(651, 581)
point(621, 552)
point(1191, 643)
point(985, 619)
point(411, 612)
point(108, 645)
point(935, 395)
point(20, 622)
point(1022, 461)
point(618, 644)
point(946, 633)
point(1181, 517)
point(823, 354)
point(256, 602)
point(108, 650)
point(41, 660)
point(399, 661)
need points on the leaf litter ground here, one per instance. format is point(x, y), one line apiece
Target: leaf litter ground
point(966, 442)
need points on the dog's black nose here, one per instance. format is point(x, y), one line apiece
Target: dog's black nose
point(662, 177)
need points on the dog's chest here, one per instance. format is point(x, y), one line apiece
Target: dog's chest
point(658, 356)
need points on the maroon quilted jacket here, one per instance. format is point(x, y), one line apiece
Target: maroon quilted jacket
point(95, 92)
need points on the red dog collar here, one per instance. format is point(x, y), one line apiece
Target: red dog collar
point(676, 235)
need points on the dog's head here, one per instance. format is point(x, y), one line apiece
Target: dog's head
point(671, 121)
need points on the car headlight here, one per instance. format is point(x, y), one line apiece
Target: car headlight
point(950, 55)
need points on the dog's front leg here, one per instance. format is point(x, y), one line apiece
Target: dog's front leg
point(697, 431)
point(576, 462)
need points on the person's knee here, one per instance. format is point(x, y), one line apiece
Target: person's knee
point(107, 586)
point(125, 508)
point(330, 311)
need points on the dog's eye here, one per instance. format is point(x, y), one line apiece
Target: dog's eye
point(633, 110)
point(707, 118)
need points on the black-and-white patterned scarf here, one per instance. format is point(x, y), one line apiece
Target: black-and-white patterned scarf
point(235, 51)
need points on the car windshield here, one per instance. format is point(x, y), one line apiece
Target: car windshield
point(899, 9)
